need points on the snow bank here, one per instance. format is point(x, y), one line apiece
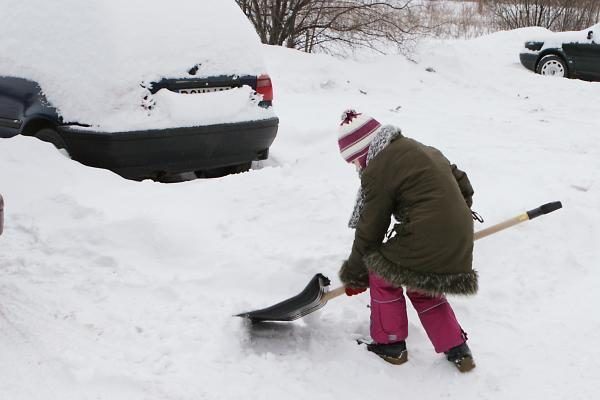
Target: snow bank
point(91, 57)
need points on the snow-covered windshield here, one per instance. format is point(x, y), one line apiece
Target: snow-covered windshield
point(90, 56)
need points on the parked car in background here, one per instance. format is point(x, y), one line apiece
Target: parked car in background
point(565, 54)
point(137, 89)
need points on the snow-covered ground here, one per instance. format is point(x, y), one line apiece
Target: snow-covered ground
point(111, 289)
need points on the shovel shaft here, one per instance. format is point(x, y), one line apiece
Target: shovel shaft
point(334, 293)
point(501, 226)
point(526, 216)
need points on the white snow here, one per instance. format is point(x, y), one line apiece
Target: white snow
point(111, 289)
point(90, 58)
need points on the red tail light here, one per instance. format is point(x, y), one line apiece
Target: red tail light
point(265, 87)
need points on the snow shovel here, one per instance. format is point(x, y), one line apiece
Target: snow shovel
point(316, 294)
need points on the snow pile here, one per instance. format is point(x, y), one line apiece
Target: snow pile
point(111, 289)
point(90, 57)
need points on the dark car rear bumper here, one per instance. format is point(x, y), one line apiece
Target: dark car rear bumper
point(155, 153)
point(529, 60)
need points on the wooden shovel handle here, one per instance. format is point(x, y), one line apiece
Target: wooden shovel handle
point(332, 294)
point(500, 227)
point(526, 216)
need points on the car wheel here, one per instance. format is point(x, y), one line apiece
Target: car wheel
point(51, 136)
point(553, 66)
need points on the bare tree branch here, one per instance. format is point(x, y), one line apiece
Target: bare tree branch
point(311, 24)
point(558, 15)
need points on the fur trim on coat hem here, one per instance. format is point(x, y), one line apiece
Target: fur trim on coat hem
point(465, 283)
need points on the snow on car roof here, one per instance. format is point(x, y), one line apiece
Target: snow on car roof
point(556, 39)
point(90, 57)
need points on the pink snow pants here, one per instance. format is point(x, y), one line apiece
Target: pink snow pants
point(389, 322)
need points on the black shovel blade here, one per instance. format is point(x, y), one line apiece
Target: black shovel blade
point(306, 302)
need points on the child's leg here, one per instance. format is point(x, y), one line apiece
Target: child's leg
point(438, 319)
point(389, 322)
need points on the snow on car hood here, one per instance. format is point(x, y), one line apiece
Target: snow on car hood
point(90, 58)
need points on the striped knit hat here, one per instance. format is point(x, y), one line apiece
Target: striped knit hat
point(355, 134)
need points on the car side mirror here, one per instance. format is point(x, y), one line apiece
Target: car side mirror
point(590, 35)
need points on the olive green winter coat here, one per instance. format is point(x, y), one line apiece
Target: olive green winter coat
point(432, 246)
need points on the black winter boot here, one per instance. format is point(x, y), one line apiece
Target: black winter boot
point(394, 353)
point(461, 357)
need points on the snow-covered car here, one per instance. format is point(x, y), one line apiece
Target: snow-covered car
point(137, 87)
point(565, 54)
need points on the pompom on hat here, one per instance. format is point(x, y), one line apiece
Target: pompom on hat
point(355, 133)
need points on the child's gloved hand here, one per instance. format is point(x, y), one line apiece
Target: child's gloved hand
point(352, 291)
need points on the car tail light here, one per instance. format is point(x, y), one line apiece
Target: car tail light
point(264, 87)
